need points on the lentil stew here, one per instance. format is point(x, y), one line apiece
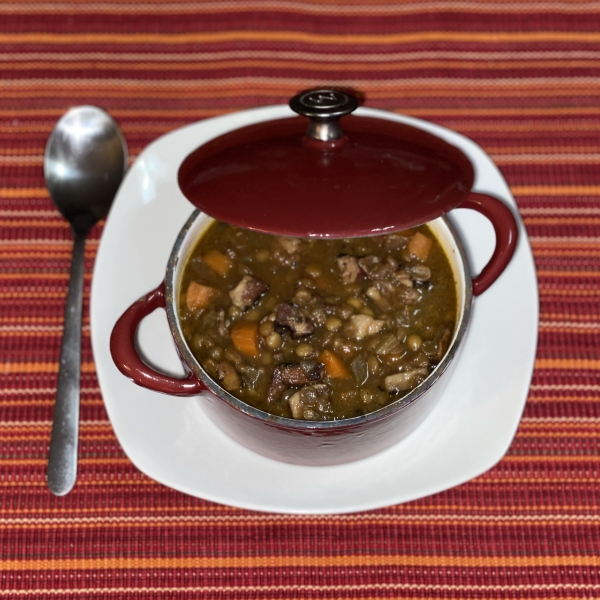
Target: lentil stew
point(317, 329)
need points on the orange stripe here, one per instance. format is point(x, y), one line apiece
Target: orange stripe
point(467, 112)
point(6, 402)
point(230, 512)
point(573, 330)
point(562, 220)
point(568, 292)
point(552, 435)
point(80, 483)
point(504, 126)
point(364, 9)
point(362, 4)
point(341, 591)
point(29, 320)
point(561, 316)
point(45, 425)
point(560, 273)
point(495, 112)
point(125, 461)
point(7, 462)
point(120, 113)
point(564, 363)
point(563, 399)
point(32, 244)
point(20, 151)
point(309, 590)
point(38, 295)
point(487, 37)
point(555, 190)
point(507, 159)
point(212, 508)
point(332, 65)
point(568, 274)
point(43, 255)
point(527, 458)
point(237, 513)
point(487, 482)
point(279, 85)
point(254, 562)
point(283, 89)
point(36, 367)
point(26, 162)
point(560, 424)
point(570, 253)
point(40, 275)
point(38, 192)
point(28, 334)
point(571, 149)
point(55, 222)
point(75, 523)
point(44, 438)
point(569, 243)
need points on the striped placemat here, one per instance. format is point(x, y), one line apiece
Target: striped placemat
point(522, 79)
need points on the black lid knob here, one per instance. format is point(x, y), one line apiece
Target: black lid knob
point(324, 108)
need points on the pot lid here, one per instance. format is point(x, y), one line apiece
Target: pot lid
point(345, 175)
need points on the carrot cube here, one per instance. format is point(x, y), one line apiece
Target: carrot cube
point(244, 336)
point(199, 296)
point(334, 365)
point(419, 246)
point(219, 262)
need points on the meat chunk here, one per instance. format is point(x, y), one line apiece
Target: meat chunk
point(374, 268)
point(311, 403)
point(401, 382)
point(294, 319)
point(222, 325)
point(250, 375)
point(228, 377)
point(395, 241)
point(293, 375)
point(247, 291)
point(380, 301)
point(368, 263)
point(289, 244)
point(361, 326)
point(408, 296)
point(349, 269)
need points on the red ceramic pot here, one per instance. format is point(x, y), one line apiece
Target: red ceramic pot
point(316, 442)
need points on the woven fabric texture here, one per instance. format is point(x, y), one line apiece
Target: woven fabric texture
point(522, 79)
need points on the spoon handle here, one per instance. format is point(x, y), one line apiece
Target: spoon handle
point(62, 460)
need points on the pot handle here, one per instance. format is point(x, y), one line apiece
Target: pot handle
point(125, 356)
point(506, 230)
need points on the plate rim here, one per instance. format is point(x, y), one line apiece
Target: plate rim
point(266, 112)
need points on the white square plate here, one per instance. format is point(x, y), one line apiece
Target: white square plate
point(171, 439)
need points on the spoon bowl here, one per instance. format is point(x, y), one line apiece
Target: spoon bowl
point(84, 163)
point(85, 159)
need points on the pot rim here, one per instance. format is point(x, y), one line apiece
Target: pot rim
point(177, 261)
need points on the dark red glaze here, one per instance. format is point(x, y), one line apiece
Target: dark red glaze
point(505, 227)
point(125, 356)
point(340, 444)
point(382, 176)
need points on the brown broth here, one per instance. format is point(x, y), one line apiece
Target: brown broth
point(418, 317)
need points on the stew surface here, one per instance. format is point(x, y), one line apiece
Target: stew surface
point(318, 329)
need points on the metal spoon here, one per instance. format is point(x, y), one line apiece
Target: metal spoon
point(84, 163)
